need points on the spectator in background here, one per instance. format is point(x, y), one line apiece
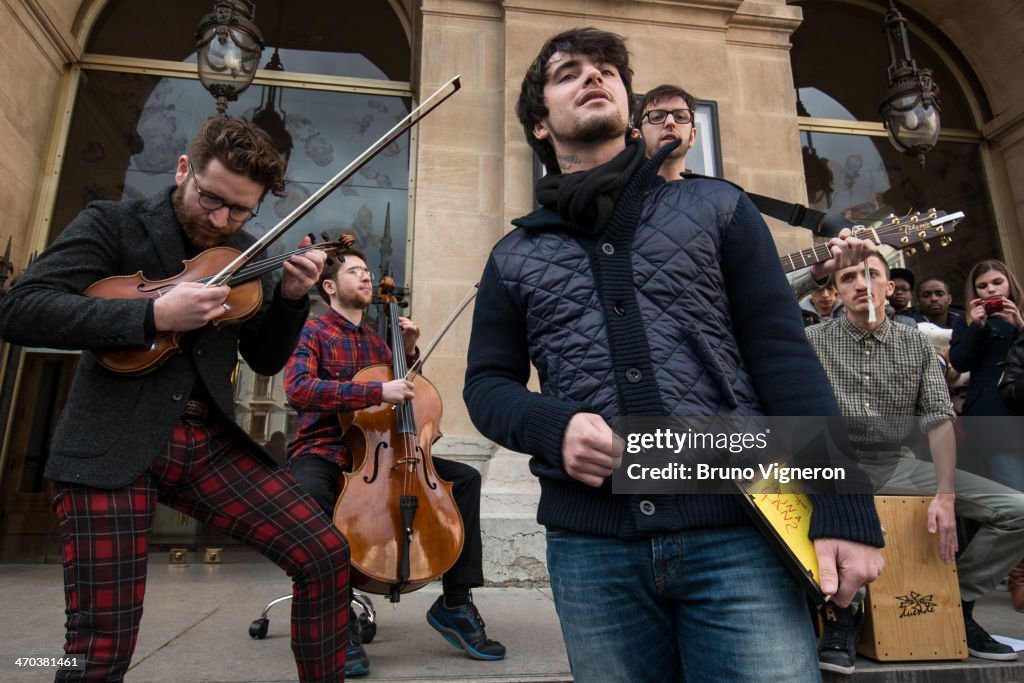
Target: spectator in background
point(980, 345)
point(1011, 384)
point(981, 342)
point(902, 297)
point(936, 319)
point(820, 305)
point(1011, 390)
point(934, 297)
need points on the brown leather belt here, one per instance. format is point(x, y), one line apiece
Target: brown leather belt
point(195, 410)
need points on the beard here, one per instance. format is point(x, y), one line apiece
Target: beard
point(681, 150)
point(192, 225)
point(355, 299)
point(599, 128)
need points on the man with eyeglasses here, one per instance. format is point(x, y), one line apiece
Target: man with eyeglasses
point(902, 297)
point(319, 383)
point(665, 114)
point(125, 442)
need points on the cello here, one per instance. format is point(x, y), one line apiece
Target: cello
point(402, 525)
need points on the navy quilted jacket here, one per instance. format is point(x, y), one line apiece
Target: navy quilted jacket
point(680, 307)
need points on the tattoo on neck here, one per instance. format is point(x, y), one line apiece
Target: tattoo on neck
point(567, 161)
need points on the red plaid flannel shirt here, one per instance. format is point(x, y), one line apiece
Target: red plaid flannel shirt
point(318, 382)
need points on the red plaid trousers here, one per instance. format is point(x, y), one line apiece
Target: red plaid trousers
point(208, 475)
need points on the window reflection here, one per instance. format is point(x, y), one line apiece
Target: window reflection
point(856, 76)
point(128, 131)
point(872, 180)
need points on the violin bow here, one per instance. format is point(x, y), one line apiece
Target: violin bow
point(411, 119)
point(417, 367)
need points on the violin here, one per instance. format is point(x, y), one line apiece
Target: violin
point(402, 525)
point(243, 301)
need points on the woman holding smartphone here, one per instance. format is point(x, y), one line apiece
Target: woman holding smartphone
point(980, 343)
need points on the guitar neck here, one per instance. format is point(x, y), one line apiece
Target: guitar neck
point(898, 233)
point(808, 257)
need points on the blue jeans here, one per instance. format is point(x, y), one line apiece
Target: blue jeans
point(703, 605)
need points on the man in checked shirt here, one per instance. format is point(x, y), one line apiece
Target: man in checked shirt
point(318, 381)
point(886, 377)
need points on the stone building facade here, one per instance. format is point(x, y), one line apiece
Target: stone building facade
point(466, 171)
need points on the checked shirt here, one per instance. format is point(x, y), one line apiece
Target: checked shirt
point(318, 382)
point(881, 378)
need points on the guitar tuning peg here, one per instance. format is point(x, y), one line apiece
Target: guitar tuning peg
point(927, 246)
point(945, 240)
point(911, 251)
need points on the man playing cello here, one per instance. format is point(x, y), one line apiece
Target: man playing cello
point(318, 381)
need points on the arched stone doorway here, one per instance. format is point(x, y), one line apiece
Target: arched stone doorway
point(130, 105)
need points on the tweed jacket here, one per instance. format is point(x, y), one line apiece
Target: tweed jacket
point(113, 425)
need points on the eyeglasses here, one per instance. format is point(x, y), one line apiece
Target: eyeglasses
point(658, 116)
point(359, 271)
point(212, 202)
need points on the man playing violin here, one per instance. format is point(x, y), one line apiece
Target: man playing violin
point(318, 382)
point(125, 442)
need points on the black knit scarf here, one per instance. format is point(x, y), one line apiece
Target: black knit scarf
point(587, 198)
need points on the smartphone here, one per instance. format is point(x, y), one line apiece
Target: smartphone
point(992, 305)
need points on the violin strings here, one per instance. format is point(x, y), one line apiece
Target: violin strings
point(252, 270)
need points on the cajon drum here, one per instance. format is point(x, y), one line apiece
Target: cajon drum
point(913, 610)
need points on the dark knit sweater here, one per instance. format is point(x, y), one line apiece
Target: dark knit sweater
point(773, 345)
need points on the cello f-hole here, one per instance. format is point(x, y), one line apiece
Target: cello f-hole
point(426, 471)
point(376, 463)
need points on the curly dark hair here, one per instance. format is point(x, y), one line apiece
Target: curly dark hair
point(663, 92)
point(243, 148)
point(600, 46)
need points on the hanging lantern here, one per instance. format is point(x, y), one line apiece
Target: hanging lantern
point(910, 110)
point(229, 47)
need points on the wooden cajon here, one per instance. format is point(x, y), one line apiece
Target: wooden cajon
point(913, 610)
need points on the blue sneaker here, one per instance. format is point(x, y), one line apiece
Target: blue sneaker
point(356, 662)
point(464, 628)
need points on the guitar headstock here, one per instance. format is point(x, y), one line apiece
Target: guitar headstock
point(903, 232)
